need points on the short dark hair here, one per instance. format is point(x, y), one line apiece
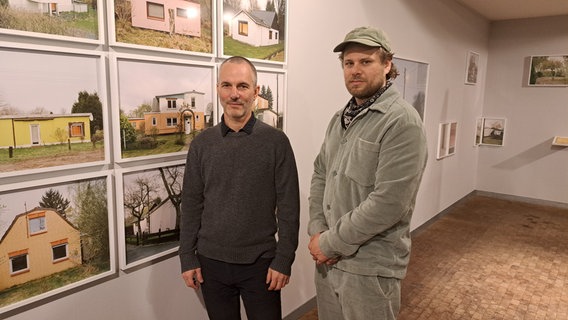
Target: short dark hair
point(240, 59)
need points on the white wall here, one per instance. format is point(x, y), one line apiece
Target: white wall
point(527, 165)
point(437, 32)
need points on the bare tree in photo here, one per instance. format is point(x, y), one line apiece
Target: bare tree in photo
point(172, 177)
point(138, 200)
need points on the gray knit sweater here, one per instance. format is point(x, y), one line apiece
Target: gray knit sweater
point(239, 191)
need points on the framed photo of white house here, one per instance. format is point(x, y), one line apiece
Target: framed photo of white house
point(493, 131)
point(68, 20)
point(253, 29)
point(548, 71)
point(47, 124)
point(163, 25)
point(472, 67)
point(412, 82)
point(55, 235)
point(149, 210)
point(160, 106)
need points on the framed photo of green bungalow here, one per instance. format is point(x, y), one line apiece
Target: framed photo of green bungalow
point(160, 106)
point(548, 71)
point(253, 29)
point(164, 25)
point(45, 124)
point(55, 235)
point(148, 211)
point(67, 20)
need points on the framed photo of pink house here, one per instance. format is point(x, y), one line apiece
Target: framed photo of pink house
point(160, 106)
point(549, 71)
point(55, 235)
point(46, 124)
point(256, 30)
point(493, 131)
point(164, 25)
point(149, 210)
point(472, 67)
point(67, 20)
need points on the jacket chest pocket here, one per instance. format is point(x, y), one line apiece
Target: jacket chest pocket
point(362, 162)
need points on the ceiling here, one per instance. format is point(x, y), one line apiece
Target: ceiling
point(517, 9)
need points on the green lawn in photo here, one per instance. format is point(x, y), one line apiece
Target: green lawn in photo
point(232, 47)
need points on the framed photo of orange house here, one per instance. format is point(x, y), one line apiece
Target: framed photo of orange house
point(548, 71)
point(163, 25)
point(55, 235)
point(51, 125)
point(257, 32)
point(160, 106)
point(67, 20)
point(149, 210)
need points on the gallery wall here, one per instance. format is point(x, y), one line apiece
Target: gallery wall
point(440, 33)
point(528, 165)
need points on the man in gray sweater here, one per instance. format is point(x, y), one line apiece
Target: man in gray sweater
point(240, 190)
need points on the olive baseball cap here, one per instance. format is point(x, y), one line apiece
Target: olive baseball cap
point(367, 36)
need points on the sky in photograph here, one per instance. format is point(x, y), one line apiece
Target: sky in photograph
point(32, 80)
point(13, 203)
point(139, 81)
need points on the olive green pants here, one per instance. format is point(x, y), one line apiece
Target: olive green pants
point(347, 296)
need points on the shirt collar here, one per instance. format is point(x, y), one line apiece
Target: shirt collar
point(246, 129)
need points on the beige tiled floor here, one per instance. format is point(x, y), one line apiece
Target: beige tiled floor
point(489, 258)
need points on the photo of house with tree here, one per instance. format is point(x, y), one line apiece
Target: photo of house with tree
point(163, 115)
point(45, 123)
point(255, 29)
point(63, 239)
point(152, 210)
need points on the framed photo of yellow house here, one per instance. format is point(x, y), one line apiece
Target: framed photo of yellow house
point(46, 124)
point(160, 106)
point(256, 30)
point(67, 20)
point(163, 25)
point(55, 235)
point(148, 211)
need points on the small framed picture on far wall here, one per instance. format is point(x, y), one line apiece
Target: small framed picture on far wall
point(472, 67)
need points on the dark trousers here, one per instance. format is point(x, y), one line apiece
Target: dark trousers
point(224, 283)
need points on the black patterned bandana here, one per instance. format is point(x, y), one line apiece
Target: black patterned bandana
point(352, 109)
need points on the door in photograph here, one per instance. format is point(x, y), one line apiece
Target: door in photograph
point(34, 128)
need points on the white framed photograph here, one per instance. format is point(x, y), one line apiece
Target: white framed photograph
point(447, 134)
point(67, 20)
point(493, 132)
point(56, 235)
point(165, 25)
point(52, 125)
point(472, 68)
point(159, 117)
point(255, 30)
point(149, 210)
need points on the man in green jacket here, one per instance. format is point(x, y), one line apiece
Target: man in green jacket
point(364, 185)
